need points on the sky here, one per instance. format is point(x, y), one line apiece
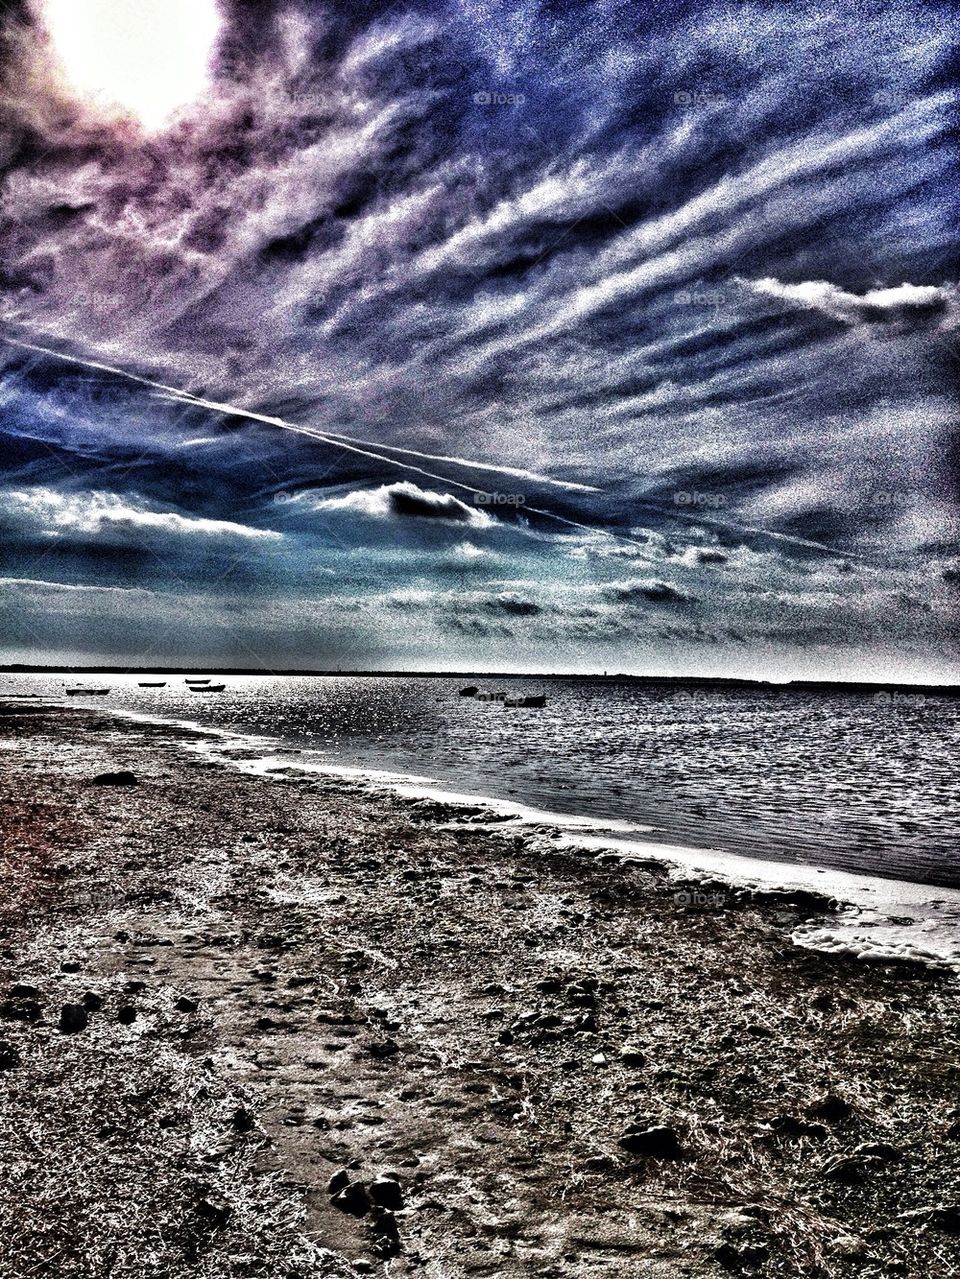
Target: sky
point(476, 335)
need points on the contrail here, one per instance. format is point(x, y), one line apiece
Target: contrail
point(348, 442)
point(364, 448)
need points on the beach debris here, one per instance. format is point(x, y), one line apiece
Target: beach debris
point(73, 1017)
point(471, 690)
point(122, 778)
point(657, 1142)
point(126, 1015)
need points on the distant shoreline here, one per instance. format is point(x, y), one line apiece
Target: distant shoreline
point(698, 681)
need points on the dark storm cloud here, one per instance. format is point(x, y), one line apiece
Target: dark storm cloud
point(702, 261)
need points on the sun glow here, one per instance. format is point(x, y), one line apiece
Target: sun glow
point(142, 59)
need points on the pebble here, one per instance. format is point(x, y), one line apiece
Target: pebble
point(383, 1048)
point(385, 1191)
point(630, 1055)
point(9, 1057)
point(122, 778)
point(831, 1108)
point(126, 1015)
point(73, 1017)
point(353, 1198)
point(24, 992)
point(657, 1142)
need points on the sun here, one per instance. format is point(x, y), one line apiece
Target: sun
point(140, 59)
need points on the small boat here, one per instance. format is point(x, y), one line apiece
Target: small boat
point(196, 681)
point(207, 688)
point(153, 683)
point(470, 691)
point(531, 700)
point(87, 692)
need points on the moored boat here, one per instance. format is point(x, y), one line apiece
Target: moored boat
point(207, 688)
point(151, 683)
point(87, 692)
point(530, 700)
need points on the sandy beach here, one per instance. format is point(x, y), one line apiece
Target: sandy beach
point(296, 1026)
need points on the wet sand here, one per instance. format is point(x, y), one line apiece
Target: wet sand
point(325, 1030)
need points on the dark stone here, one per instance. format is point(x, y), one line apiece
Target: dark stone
point(70, 966)
point(383, 1048)
point(243, 1119)
point(24, 992)
point(215, 1209)
point(73, 1017)
point(386, 1192)
point(9, 1057)
point(92, 1002)
point(849, 1169)
point(185, 1005)
point(881, 1150)
point(339, 1181)
point(386, 1234)
point(657, 1142)
point(632, 1056)
point(121, 778)
point(471, 690)
point(794, 1126)
point(353, 1198)
point(126, 1015)
point(831, 1108)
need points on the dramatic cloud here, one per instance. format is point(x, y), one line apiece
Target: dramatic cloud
point(468, 330)
point(97, 513)
point(405, 501)
point(903, 303)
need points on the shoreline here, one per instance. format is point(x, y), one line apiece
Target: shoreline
point(874, 918)
point(386, 983)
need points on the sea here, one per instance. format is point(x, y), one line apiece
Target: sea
point(858, 785)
